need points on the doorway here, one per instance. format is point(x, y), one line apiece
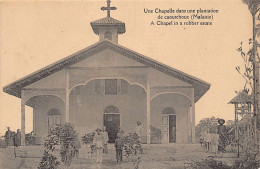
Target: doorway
point(112, 123)
point(172, 128)
point(168, 125)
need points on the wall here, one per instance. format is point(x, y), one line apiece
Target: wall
point(87, 114)
point(41, 106)
point(181, 106)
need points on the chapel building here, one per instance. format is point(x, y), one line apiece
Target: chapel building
point(108, 84)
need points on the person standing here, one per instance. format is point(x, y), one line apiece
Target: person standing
point(138, 130)
point(222, 131)
point(18, 138)
point(8, 135)
point(208, 138)
point(105, 136)
point(99, 143)
point(119, 148)
point(215, 142)
point(77, 147)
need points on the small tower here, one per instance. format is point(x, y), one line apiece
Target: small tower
point(243, 117)
point(243, 106)
point(108, 28)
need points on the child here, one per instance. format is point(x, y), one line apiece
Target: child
point(119, 148)
point(208, 138)
point(77, 147)
point(88, 140)
point(89, 150)
point(99, 142)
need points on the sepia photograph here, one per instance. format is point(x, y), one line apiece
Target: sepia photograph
point(116, 84)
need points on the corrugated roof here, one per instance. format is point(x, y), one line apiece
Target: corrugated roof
point(242, 97)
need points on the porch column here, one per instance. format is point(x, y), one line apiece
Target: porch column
point(189, 125)
point(193, 117)
point(67, 100)
point(34, 121)
point(22, 119)
point(148, 113)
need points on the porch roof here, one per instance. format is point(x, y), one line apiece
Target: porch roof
point(200, 86)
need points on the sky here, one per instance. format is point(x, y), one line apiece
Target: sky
point(34, 34)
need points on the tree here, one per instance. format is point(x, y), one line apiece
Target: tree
point(254, 7)
point(204, 124)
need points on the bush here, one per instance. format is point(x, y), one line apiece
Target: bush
point(208, 164)
point(64, 136)
point(88, 139)
point(132, 144)
point(29, 139)
point(2, 143)
point(49, 161)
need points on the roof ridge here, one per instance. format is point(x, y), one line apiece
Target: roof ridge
point(107, 20)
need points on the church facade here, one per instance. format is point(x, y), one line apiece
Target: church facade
point(108, 84)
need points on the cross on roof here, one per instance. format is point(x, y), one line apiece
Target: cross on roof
point(108, 8)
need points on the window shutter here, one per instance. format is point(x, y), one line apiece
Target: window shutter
point(102, 86)
point(118, 86)
point(97, 86)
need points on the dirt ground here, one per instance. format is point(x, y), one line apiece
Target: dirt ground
point(169, 156)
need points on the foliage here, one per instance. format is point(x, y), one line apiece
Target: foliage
point(137, 163)
point(253, 5)
point(88, 138)
point(247, 145)
point(247, 71)
point(230, 124)
point(66, 137)
point(204, 124)
point(29, 139)
point(2, 143)
point(244, 163)
point(208, 164)
point(211, 163)
point(247, 142)
point(132, 144)
point(49, 161)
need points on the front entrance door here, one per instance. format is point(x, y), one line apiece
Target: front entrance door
point(165, 129)
point(168, 129)
point(112, 123)
point(172, 128)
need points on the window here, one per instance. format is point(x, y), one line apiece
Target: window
point(111, 86)
point(108, 35)
point(54, 118)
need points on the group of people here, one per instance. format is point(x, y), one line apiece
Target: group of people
point(211, 141)
point(12, 138)
point(216, 140)
point(100, 142)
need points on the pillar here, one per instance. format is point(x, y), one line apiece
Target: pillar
point(148, 107)
point(34, 121)
point(189, 125)
point(193, 117)
point(67, 100)
point(22, 119)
